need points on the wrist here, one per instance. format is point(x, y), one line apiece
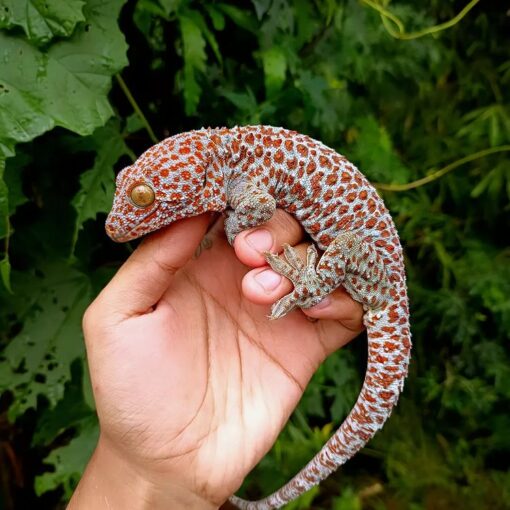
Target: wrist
point(111, 482)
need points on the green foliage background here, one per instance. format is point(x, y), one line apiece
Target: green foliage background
point(370, 78)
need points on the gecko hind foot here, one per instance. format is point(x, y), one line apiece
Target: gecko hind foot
point(309, 289)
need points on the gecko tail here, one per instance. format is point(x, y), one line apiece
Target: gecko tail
point(389, 347)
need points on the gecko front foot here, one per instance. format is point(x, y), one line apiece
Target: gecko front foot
point(309, 289)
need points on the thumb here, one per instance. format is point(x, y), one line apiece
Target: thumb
point(144, 277)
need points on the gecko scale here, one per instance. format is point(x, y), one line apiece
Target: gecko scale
point(248, 172)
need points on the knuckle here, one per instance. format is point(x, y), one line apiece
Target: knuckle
point(89, 318)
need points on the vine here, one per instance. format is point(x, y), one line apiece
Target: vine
point(441, 172)
point(388, 17)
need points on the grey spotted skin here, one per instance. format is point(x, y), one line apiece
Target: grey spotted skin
point(248, 172)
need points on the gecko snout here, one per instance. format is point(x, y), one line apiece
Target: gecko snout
point(112, 232)
point(114, 229)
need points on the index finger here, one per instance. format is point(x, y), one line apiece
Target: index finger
point(144, 277)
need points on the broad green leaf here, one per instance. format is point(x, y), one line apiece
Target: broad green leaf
point(275, 66)
point(194, 61)
point(97, 185)
point(69, 461)
point(67, 85)
point(37, 360)
point(41, 20)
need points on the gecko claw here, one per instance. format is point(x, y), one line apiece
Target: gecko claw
point(282, 307)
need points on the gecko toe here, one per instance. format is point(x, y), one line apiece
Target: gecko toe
point(282, 307)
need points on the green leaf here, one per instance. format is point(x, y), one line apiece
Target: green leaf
point(243, 101)
point(146, 10)
point(69, 461)
point(261, 7)
point(67, 85)
point(170, 6)
point(97, 185)
point(70, 412)
point(278, 20)
point(217, 18)
point(209, 36)
point(13, 173)
point(194, 61)
point(275, 67)
point(41, 20)
point(4, 201)
point(491, 121)
point(5, 265)
point(349, 500)
point(373, 150)
point(240, 17)
point(38, 358)
point(134, 124)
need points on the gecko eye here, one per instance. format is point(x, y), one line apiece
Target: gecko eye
point(142, 195)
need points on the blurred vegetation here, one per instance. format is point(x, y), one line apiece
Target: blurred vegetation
point(410, 91)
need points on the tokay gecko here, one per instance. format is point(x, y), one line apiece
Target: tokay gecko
point(248, 172)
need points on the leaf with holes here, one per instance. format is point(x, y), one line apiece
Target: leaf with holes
point(69, 461)
point(65, 86)
point(37, 360)
point(42, 20)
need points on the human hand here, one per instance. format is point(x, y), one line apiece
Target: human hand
point(192, 382)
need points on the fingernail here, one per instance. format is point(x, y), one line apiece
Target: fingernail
point(322, 304)
point(260, 240)
point(268, 280)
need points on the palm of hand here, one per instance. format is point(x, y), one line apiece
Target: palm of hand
point(247, 375)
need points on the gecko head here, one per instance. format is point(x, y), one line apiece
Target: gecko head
point(176, 178)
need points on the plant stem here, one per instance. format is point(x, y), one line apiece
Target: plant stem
point(136, 108)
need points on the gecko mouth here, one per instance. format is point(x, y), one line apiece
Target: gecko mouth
point(117, 236)
point(119, 231)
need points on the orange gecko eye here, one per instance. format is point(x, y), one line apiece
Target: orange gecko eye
point(142, 195)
